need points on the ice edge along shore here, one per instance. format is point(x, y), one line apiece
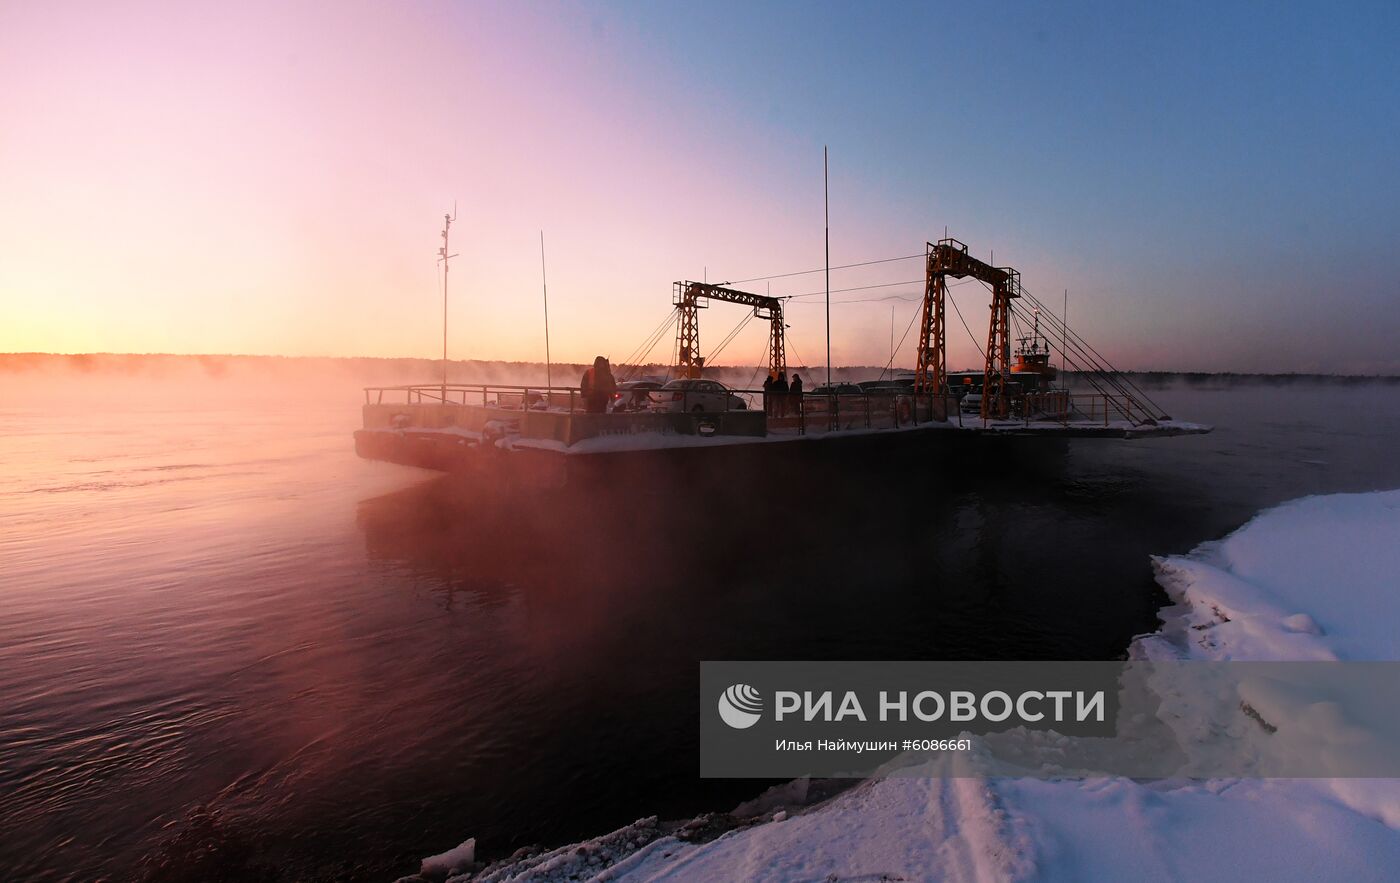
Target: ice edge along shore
point(1312, 579)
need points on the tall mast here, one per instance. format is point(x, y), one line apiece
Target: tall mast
point(1064, 339)
point(444, 257)
point(544, 283)
point(826, 207)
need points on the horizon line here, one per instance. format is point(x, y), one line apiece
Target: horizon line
point(433, 359)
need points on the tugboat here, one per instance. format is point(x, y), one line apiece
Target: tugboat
point(1035, 378)
point(1033, 358)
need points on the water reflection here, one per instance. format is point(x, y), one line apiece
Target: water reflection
point(578, 617)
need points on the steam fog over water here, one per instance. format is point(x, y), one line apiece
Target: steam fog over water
point(215, 618)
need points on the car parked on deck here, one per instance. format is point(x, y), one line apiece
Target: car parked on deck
point(840, 389)
point(634, 395)
point(696, 395)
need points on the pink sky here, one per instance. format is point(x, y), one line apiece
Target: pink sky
point(270, 178)
point(223, 178)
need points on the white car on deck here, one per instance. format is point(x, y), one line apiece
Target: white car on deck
point(697, 395)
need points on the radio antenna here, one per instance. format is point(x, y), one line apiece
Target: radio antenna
point(826, 212)
point(443, 258)
point(544, 283)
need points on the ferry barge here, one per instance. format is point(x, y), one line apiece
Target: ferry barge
point(543, 433)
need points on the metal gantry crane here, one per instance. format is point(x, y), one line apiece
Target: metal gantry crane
point(690, 297)
point(950, 258)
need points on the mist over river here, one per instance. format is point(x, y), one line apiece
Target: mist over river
point(218, 625)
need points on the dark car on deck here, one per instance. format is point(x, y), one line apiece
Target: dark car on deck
point(634, 395)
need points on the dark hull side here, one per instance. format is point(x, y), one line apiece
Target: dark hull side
point(808, 460)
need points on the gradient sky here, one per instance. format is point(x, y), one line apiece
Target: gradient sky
point(1217, 185)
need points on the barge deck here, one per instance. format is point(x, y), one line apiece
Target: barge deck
point(523, 430)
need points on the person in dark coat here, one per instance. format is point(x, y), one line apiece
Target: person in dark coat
point(768, 394)
point(780, 393)
point(795, 392)
point(598, 386)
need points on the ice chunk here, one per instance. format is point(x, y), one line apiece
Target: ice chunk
point(454, 859)
point(1302, 624)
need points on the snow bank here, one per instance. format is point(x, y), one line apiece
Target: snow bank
point(1315, 579)
point(1226, 830)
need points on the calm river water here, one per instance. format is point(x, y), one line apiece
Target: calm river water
point(218, 626)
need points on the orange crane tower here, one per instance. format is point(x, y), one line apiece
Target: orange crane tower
point(950, 258)
point(690, 297)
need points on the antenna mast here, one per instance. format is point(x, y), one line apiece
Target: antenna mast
point(826, 207)
point(443, 258)
point(544, 283)
point(1064, 320)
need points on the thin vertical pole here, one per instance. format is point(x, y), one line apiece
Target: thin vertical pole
point(826, 201)
point(445, 256)
point(544, 282)
point(1064, 339)
point(447, 223)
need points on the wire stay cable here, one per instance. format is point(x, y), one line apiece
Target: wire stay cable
point(823, 269)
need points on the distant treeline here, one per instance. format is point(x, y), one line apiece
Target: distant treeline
point(1225, 378)
point(371, 370)
point(389, 370)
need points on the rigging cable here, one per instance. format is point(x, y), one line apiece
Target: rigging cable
point(787, 342)
point(901, 341)
point(655, 333)
point(968, 329)
point(867, 288)
point(1077, 337)
point(641, 359)
point(823, 269)
point(644, 349)
point(1098, 373)
point(767, 344)
point(732, 334)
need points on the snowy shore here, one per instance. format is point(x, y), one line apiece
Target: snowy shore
point(1314, 579)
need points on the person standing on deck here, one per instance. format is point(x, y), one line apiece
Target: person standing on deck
point(768, 394)
point(597, 386)
point(796, 393)
point(780, 392)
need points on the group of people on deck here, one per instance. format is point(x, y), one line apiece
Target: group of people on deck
point(780, 397)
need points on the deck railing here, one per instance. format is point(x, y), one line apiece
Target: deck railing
point(1064, 407)
point(812, 412)
point(472, 394)
point(805, 412)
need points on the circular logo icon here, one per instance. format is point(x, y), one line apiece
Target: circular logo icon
point(740, 706)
